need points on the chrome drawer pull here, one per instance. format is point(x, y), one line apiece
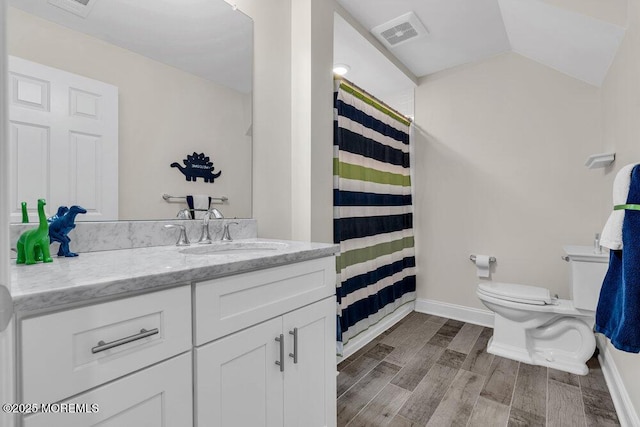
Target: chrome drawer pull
point(295, 345)
point(280, 362)
point(102, 346)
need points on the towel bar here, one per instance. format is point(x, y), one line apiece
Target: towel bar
point(167, 198)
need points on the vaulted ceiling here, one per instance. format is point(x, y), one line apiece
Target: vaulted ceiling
point(576, 37)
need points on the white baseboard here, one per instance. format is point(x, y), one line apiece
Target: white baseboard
point(359, 341)
point(454, 311)
point(621, 399)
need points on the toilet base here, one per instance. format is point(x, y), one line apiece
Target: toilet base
point(563, 343)
point(541, 359)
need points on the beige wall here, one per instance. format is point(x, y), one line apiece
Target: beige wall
point(621, 130)
point(165, 113)
point(271, 115)
point(499, 159)
point(292, 175)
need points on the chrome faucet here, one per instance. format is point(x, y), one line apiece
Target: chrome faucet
point(183, 240)
point(205, 237)
point(184, 214)
point(226, 237)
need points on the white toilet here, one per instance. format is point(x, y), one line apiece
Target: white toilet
point(532, 326)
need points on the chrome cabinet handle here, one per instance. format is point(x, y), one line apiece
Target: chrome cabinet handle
point(280, 362)
point(102, 346)
point(295, 345)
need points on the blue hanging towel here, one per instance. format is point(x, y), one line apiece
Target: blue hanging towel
point(618, 312)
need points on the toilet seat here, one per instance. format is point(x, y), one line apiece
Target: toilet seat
point(523, 294)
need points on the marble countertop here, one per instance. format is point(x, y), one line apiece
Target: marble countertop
point(97, 275)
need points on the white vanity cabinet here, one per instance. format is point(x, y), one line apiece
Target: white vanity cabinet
point(131, 357)
point(275, 362)
point(247, 349)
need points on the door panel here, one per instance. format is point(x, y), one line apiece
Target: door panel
point(78, 119)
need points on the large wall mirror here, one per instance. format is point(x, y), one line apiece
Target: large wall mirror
point(182, 73)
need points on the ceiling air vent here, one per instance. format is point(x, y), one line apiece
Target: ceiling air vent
point(77, 7)
point(399, 30)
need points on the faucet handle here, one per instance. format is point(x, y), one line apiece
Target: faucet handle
point(183, 240)
point(226, 237)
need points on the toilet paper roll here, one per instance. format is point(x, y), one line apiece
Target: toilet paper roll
point(483, 266)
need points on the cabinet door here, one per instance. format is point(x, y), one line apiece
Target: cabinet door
point(237, 380)
point(156, 396)
point(310, 383)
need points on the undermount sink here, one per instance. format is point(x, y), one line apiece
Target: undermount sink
point(230, 248)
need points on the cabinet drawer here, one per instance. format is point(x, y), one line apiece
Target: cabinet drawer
point(228, 304)
point(157, 396)
point(68, 352)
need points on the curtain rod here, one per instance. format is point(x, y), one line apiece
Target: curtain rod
point(376, 99)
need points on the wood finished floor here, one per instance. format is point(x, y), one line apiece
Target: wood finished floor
point(431, 371)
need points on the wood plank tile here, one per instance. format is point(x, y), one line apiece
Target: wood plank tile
point(595, 378)
point(564, 377)
point(441, 340)
point(354, 372)
point(530, 393)
point(383, 408)
point(357, 397)
point(437, 319)
point(379, 351)
point(478, 360)
point(449, 330)
point(564, 405)
point(452, 358)
point(455, 323)
point(367, 347)
point(404, 350)
point(405, 328)
point(465, 339)
point(518, 418)
point(457, 404)
point(487, 413)
point(415, 370)
point(400, 421)
point(428, 394)
point(598, 407)
point(501, 380)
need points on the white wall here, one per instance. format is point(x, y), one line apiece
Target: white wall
point(621, 130)
point(312, 120)
point(292, 176)
point(271, 115)
point(499, 159)
point(165, 114)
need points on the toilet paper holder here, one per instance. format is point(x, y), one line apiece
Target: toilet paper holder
point(473, 258)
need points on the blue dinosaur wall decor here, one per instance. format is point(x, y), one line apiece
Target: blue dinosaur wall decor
point(60, 227)
point(197, 166)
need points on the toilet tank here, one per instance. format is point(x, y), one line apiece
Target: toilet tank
point(587, 273)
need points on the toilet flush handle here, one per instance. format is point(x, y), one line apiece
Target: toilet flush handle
point(565, 257)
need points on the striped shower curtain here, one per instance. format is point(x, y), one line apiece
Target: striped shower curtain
point(373, 221)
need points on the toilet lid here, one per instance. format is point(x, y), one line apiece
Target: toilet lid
point(518, 293)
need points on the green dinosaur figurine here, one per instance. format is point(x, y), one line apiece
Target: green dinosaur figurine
point(33, 245)
point(25, 216)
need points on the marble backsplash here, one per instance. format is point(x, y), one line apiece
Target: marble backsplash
point(111, 235)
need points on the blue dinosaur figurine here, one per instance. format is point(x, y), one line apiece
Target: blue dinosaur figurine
point(61, 226)
point(61, 211)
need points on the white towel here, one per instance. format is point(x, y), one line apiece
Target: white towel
point(612, 233)
point(200, 206)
